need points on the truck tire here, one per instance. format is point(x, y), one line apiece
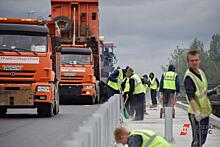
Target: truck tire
point(92, 99)
point(64, 23)
point(45, 109)
point(3, 111)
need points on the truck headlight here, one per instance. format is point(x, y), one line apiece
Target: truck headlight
point(43, 89)
point(87, 86)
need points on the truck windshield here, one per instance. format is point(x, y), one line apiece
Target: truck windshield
point(23, 43)
point(75, 59)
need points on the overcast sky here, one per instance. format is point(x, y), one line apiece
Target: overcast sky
point(144, 31)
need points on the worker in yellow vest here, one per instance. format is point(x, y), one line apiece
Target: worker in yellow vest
point(139, 138)
point(154, 86)
point(169, 89)
point(146, 83)
point(195, 84)
point(137, 94)
point(115, 80)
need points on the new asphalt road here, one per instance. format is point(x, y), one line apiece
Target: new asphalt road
point(23, 127)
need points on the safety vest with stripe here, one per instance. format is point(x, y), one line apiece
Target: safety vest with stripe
point(201, 97)
point(146, 88)
point(153, 83)
point(169, 81)
point(116, 85)
point(150, 139)
point(127, 85)
point(138, 87)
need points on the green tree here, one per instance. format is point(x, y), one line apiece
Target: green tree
point(197, 44)
point(215, 48)
point(210, 59)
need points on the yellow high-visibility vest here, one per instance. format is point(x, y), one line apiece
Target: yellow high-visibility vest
point(153, 83)
point(138, 87)
point(169, 81)
point(127, 85)
point(116, 85)
point(201, 97)
point(150, 139)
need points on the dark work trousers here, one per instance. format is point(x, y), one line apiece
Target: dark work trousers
point(168, 98)
point(199, 130)
point(132, 106)
point(153, 94)
point(139, 106)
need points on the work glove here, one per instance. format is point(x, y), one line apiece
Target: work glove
point(199, 116)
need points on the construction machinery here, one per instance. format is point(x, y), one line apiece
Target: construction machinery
point(29, 77)
point(108, 58)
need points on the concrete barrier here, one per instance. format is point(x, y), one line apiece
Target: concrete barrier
point(215, 121)
point(97, 131)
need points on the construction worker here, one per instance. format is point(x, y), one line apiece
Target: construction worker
point(115, 80)
point(169, 88)
point(146, 84)
point(139, 138)
point(195, 84)
point(154, 85)
point(136, 93)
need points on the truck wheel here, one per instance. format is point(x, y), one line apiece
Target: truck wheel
point(92, 99)
point(64, 23)
point(45, 109)
point(3, 111)
point(97, 100)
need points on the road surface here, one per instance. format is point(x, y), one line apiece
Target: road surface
point(23, 128)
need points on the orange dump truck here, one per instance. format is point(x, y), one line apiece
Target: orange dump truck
point(80, 56)
point(29, 77)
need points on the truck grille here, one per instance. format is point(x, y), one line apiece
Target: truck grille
point(73, 80)
point(17, 74)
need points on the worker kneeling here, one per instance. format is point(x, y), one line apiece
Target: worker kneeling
point(139, 138)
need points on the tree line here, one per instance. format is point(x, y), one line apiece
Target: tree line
point(210, 59)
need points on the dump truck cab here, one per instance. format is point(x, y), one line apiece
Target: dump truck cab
point(27, 66)
point(77, 73)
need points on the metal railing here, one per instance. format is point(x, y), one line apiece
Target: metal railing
point(98, 130)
